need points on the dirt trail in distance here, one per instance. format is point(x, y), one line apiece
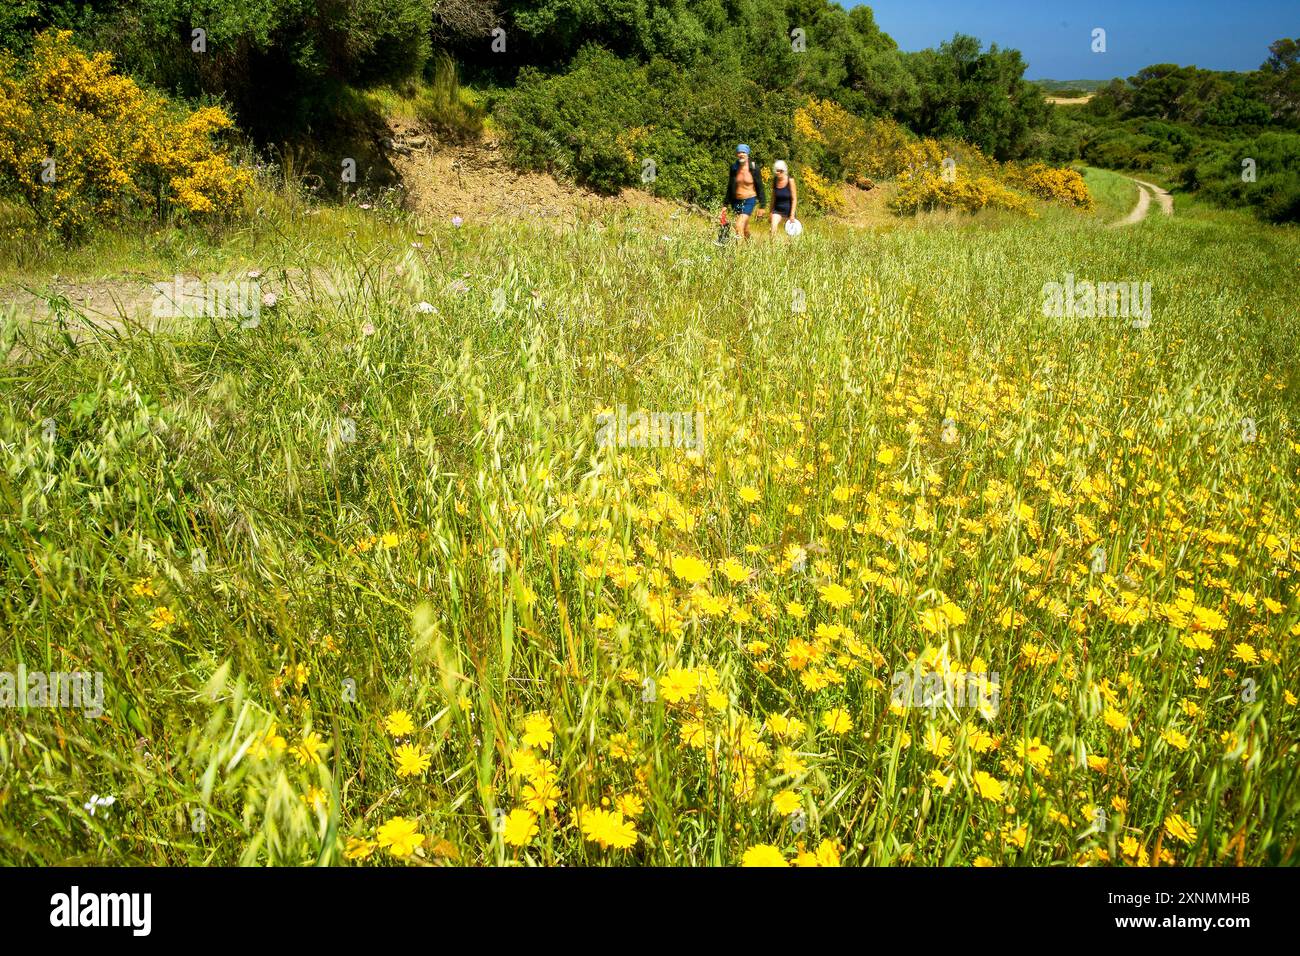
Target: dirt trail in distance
point(1166, 200)
point(473, 181)
point(112, 305)
point(1143, 207)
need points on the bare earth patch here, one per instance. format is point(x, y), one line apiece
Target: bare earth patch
point(475, 182)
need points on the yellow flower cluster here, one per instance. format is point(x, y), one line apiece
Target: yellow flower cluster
point(1058, 185)
point(848, 146)
point(923, 190)
point(819, 192)
point(80, 144)
point(839, 146)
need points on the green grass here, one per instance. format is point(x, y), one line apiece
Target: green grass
point(371, 564)
point(1115, 194)
point(438, 102)
point(277, 229)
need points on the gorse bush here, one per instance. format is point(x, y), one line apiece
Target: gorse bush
point(834, 140)
point(1057, 185)
point(818, 193)
point(925, 190)
point(80, 144)
point(839, 146)
point(847, 147)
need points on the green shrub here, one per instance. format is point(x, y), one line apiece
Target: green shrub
point(279, 63)
point(1275, 193)
point(570, 125)
point(602, 119)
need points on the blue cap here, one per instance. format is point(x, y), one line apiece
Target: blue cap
point(742, 148)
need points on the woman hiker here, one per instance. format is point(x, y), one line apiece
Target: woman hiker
point(785, 195)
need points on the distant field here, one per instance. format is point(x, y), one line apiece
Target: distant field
point(1070, 100)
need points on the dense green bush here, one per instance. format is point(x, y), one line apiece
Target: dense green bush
point(980, 96)
point(1175, 140)
point(22, 20)
point(571, 124)
point(279, 64)
point(598, 123)
point(1121, 149)
point(1275, 193)
point(1208, 97)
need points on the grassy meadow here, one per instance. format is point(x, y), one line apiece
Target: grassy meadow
point(1114, 194)
point(366, 587)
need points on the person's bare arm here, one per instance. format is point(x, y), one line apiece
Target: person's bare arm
point(794, 198)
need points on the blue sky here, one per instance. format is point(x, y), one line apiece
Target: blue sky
point(1056, 37)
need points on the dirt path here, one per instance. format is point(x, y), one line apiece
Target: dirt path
point(1145, 192)
point(473, 181)
point(1166, 200)
point(113, 306)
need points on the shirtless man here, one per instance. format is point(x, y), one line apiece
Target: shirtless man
point(745, 190)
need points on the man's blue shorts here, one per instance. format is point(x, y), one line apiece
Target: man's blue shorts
point(744, 207)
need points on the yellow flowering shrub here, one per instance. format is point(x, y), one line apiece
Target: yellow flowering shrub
point(631, 141)
point(885, 148)
point(839, 146)
point(918, 155)
point(79, 143)
point(847, 147)
point(970, 159)
point(819, 192)
point(843, 147)
point(1057, 185)
point(922, 190)
point(831, 137)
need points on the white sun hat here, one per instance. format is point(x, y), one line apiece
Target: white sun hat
point(793, 227)
point(780, 167)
